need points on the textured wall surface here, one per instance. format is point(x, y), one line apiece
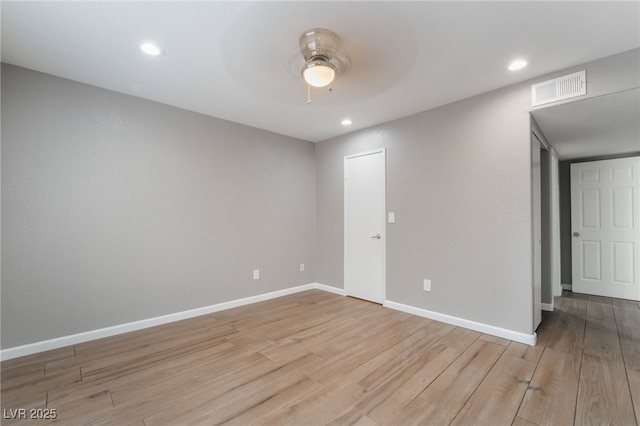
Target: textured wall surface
point(116, 209)
point(605, 76)
point(459, 182)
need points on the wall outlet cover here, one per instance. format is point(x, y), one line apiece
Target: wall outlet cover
point(426, 285)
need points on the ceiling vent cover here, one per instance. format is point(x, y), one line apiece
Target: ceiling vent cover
point(566, 87)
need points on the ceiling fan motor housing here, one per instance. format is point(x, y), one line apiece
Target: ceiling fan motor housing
point(318, 43)
point(319, 46)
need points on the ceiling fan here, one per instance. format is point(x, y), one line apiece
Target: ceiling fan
point(323, 58)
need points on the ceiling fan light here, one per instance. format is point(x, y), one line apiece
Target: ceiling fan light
point(318, 73)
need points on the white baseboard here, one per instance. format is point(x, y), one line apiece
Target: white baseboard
point(330, 289)
point(529, 339)
point(74, 339)
point(547, 307)
point(567, 287)
point(86, 336)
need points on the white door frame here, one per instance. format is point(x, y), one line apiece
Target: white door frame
point(556, 281)
point(536, 233)
point(553, 257)
point(383, 240)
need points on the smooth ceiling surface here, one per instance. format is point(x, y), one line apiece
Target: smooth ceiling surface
point(593, 127)
point(233, 60)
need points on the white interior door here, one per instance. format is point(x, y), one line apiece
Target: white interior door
point(605, 224)
point(364, 223)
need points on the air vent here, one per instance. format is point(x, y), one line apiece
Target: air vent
point(566, 87)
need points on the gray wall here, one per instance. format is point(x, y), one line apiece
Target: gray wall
point(459, 181)
point(116, 209)
point(612, 74)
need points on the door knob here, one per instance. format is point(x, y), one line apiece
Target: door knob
point(576, 234)
point(377, 236)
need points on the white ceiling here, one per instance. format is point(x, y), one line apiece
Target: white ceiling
point(593, 127)
point(232, 59)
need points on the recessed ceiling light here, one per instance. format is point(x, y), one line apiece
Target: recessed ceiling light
point(151, 49)
point(518, 64)
point(346, 122)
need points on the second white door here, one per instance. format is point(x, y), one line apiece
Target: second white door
point(364, 225)
point(605, 226)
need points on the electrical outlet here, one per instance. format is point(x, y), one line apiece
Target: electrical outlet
point(427, 285)
point(256, 274)
point(302, 267)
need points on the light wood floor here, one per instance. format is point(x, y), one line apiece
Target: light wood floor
point(319, 358)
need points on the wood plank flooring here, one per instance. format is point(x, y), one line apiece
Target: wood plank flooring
point(315, 358)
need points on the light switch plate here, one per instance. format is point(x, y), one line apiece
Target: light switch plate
point(392, 217)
